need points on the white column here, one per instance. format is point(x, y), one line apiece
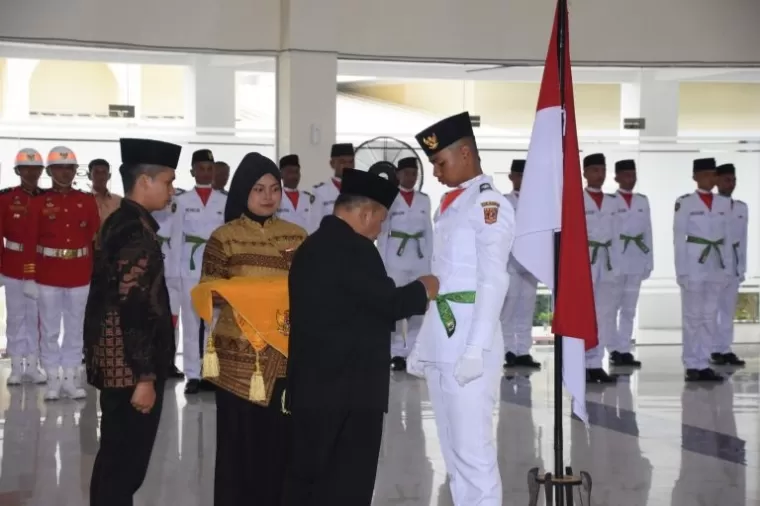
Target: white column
point(210, 95)
point(306, 110)
point(129, 78)
point(654, 100)
point(16, 88)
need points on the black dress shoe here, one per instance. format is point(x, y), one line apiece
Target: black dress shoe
point(510, 359)
point(398, 364)
point(174, 373)
point(599, 376)
point(526, 361)
point(629, 361)
point(732, 359)
point(192, 386)
point(704, 375)
point(207, 386)
point(717, 359)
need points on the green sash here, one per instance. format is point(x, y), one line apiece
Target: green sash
point(405, 238)
point(197, 242)
point(708, 246)
point(445, 311)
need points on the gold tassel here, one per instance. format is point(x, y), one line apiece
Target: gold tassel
point(258, 391)
point(210, 359)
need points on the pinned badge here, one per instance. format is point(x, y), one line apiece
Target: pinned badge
point(174, 207)
point(431, 141)
point(83, 224)
point(490, 212)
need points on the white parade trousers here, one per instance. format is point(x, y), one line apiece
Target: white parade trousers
point(464, 419)
point(56, 304)
point(22, 321)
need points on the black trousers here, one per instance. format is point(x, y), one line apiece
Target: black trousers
point(334, 457)
point(252, 450)
point(126, 443)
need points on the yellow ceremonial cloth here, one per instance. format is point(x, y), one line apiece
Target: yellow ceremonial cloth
point(259, 304)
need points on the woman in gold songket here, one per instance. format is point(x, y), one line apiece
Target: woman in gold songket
point(252, 431)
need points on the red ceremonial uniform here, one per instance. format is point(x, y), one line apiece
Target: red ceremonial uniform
point(17, 255)
point(66, 225)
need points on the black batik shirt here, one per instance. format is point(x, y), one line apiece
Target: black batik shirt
point(128, 330)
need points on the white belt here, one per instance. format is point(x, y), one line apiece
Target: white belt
point(62, 253)
point(14, 246)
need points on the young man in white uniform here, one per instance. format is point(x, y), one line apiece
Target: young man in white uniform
point(704, 267)
point(325, 193)
point(721, 350)
point(296, 205)
point(165, 219)
point(199, 212)
point(406, 246)
point(600, 221)
point(520, 304)
point(633, 259)
point(459, 348)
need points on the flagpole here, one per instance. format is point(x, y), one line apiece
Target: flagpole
point(558, 430)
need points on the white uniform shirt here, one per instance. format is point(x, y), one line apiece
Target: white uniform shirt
point(473, 239)
point(324, 200)
point(301, 214)
point(406, 238)
point(600, 226)
point(165, 219)
point(739, 218)
point(632, 251)
point(193, 225)
point(702, 258)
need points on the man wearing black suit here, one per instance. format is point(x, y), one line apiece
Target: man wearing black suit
point(343, 308)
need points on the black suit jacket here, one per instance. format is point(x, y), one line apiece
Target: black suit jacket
point(343, 308)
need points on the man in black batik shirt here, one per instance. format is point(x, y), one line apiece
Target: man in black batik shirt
point(128, 331)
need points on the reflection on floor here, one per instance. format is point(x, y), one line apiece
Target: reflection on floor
point(653, 441)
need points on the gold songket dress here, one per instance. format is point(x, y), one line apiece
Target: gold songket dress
point(244, 248)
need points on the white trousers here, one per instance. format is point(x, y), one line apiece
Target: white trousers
point(191, 324)
point(606, 312)
point(56, 304)
point(399, 348)
point(699, 306)
point(22, 321)
point(726, 311)
point(464, 418)
point(175, 302)
point(517, 313)
point(627, 289)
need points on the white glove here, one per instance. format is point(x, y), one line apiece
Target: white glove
point(30, 289)
point(413, 364)
point(469, 366)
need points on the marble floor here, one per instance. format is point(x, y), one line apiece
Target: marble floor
point(652, 441)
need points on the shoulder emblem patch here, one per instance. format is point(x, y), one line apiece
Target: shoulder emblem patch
point(490, 211)
point(485, 187)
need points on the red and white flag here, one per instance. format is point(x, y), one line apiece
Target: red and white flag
point(551, 200)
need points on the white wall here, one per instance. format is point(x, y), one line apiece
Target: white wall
point(696, 32)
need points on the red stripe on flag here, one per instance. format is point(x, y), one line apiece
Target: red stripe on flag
point(574, 312)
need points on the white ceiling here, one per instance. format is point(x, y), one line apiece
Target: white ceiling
point(353, 70)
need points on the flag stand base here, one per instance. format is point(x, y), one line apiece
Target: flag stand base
point(564, 486)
